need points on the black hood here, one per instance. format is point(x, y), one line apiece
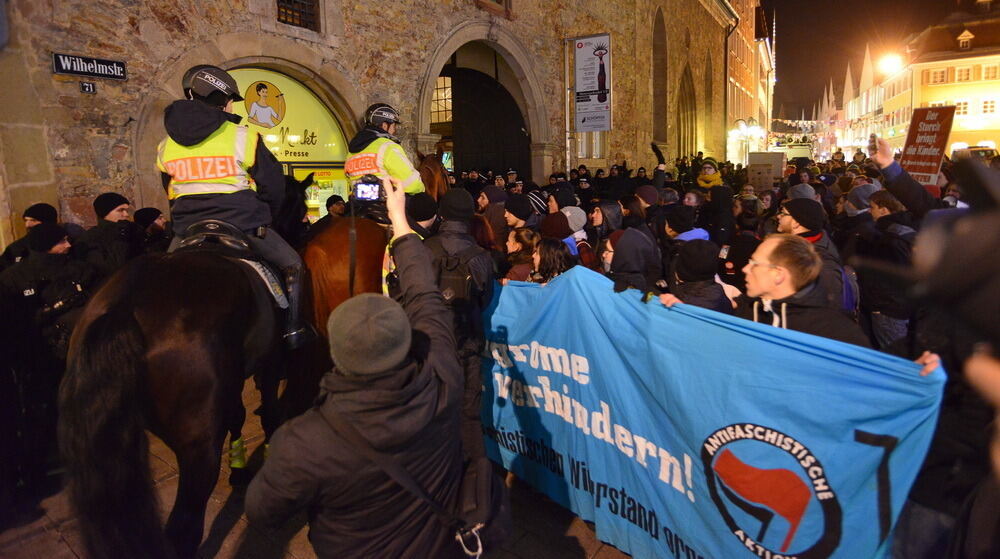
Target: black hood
point(811, 295)
point(904, 219)
point(367, 136)
point(190, 122)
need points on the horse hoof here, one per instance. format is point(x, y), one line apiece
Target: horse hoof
point(240, 477)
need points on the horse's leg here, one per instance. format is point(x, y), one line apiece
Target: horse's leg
point(198, 463)
point(267, 380)
point(236, 414)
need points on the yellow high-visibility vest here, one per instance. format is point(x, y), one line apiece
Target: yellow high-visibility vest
point(216, 165)
point(384, 158)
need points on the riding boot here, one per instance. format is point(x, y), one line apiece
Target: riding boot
point(297, 332)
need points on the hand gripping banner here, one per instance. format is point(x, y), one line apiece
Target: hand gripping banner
point(686, 433)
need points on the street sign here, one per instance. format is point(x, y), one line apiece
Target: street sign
point(73, 65)
point(925, 143)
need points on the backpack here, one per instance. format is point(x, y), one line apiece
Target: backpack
point(454, 278)
point(851, 301)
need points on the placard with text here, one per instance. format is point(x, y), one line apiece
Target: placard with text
point(926, 142)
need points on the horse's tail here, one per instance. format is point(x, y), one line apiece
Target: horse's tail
point(103, 441)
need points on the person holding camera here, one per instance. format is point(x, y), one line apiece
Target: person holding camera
point(375, 150)
point(398, 383)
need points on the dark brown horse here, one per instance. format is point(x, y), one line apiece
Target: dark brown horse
point(165, 345)
point(328, 257)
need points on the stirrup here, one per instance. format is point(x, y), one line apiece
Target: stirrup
point(238, 454)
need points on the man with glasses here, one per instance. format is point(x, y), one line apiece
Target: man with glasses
point(805, 218)
point(782, 290)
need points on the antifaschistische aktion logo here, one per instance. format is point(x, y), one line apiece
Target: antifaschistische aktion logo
point(772, 491)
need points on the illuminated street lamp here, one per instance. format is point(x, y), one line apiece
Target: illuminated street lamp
point(890, 64)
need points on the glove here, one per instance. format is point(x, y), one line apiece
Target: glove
point(659, 154)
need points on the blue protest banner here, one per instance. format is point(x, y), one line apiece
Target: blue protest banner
point(686, 433)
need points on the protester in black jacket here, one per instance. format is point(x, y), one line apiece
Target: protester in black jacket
point(782, 291)
point(694, 271)
point(114, 240)
point(804, 217)
point(35, 214)
point(403, 394)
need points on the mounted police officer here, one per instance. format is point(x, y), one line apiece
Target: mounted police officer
point(375, 150)
point(211, 167)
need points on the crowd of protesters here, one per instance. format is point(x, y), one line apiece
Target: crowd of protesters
point(810, 252)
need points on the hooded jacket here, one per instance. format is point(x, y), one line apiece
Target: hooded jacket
point(191, 122)
point(109, 245)
point(612, 212)
point(892, 241)
point(636, 262)
point(707, 294)
point(805, 311)
point(411, 412)
point(831, 277)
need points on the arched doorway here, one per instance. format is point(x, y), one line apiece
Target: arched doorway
point(475, 111)
point(508, 63)
point(687, 115)
point(659, 71)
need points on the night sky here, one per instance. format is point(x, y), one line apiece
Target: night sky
point(817, 38)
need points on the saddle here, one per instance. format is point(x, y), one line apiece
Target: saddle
point(219, 237)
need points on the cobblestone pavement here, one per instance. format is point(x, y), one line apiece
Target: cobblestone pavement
point(542, 529)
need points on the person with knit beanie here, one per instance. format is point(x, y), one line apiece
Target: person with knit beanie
point(398, 381)
point(647, 195)
point(49, 237)
point(422, 209)
point(517, 210)
point(114, 240)
point(155, 229)
point(34, 215)
point(577, 219)
point(709, 175)
point(806, 218)
point(694, 270)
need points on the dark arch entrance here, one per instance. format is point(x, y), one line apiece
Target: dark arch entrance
point(487, 128)
point(687, 115)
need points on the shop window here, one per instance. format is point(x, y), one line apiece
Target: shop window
point(590, 145)
point(963, 74)
point(441, 101)
point(989, 107)
point(300, 13)
point(939, 76)
point(962, 108)
point(990, 72)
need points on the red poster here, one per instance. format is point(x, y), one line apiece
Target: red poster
point(925, 143)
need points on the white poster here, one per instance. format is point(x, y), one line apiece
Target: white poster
point(592, 57)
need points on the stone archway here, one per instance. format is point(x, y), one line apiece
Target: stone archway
point(543, 151)
point(229, 51)
point(687, 115)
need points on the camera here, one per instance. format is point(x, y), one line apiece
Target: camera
point(369, 188)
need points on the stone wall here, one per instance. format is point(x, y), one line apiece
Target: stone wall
point(64, 147)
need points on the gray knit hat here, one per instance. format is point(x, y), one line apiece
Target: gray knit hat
point(369, 334)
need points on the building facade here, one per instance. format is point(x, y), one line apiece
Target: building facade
point(66, 138)
point(750, 79)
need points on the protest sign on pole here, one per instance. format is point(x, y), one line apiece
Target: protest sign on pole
point(592, 79)
point(926, 142)
point(684, 432)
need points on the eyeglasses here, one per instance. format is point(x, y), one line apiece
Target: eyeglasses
point(754, 264)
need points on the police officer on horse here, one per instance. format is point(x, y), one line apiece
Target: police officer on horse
point(213, 168)
point(375, 150)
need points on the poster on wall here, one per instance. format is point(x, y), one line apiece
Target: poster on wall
point(925, 143)
point(592, 99)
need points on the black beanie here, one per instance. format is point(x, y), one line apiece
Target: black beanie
point(42, 212)
point(495, 194)
point(44, 236)
point(146, 216)
point(679, 217)
point(106, 202)
point(519, 206)
point(697, 260)
point(808, 212)
point(456, 205)
point(421, 206)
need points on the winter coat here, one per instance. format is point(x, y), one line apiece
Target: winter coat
point(910, 192)
point(355, 509)
point(806, 311)
point(14, 253)
point(891, 242)
point(719, 214)
point(706, 294)
point(831, 278)
point(109, 245)
point(636, 262)
point(847, 230)
point(189, 123)
point(455, 238)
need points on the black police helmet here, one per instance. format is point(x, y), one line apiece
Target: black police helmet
point(379, 113)
point(203, 80)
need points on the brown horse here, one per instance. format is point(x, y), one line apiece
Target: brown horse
point(166, 345)
point(328, 256)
